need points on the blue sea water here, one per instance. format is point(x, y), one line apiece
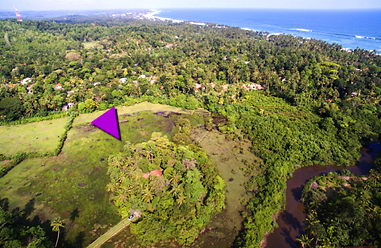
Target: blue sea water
point(349, 28)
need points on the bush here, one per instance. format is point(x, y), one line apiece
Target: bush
point(11, 109)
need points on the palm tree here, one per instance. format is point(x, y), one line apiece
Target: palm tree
point(175, 179)
point(304, 240)
point(147, 195)
point(56, 225)
point(181, 199)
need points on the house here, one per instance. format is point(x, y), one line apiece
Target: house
point(123, 80)
point(26, 81)
point(71, 92)
point(142, 76)
point(198, 87)
point(58, 86)
point(29, 89)
point(169, 45)
point(154, 79)
point(252, 86)
point(156, 173)
point(68, 106)
point(355, 94)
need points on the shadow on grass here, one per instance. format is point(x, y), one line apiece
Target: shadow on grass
point(22, 217)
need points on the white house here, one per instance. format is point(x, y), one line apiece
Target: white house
point(26, 81)
point(58, 86)
point(68, 106)
point(123, 80)
point(29, 89)
point(252, 86)
point(70, 92)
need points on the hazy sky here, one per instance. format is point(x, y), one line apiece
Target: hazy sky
point(122, 4)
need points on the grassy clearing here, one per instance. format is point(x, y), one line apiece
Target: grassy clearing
point(231, 158)
point(92, 45)
point(129, 110)
point(72, 185)
point(32, 137)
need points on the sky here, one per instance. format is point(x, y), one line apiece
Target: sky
point(148, 4)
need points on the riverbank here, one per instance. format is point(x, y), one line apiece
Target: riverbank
point(290, 220)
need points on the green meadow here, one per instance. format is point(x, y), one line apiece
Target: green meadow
point(40, 136)
point(129, 110)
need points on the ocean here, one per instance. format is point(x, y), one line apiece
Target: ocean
point(349, 28)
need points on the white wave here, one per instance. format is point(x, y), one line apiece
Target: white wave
point(364, 37)
point(249, 29)
point(198, 23)
point(274, 34)
point(302, 29)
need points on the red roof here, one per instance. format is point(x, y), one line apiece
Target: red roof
point(156, 173)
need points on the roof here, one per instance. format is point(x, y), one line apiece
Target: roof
point(156, 173)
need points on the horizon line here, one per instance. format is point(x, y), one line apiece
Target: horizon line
point(200, 8)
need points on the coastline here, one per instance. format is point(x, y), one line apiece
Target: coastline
point(153, 14)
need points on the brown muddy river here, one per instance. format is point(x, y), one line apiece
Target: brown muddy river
point(290, 221)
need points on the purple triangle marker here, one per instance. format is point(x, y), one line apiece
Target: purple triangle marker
point(108, 122)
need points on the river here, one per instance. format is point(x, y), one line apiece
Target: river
point(290, 221)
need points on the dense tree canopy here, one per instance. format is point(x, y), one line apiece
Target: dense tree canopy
point(17, 232)
point(173, 188)
point(343, 210)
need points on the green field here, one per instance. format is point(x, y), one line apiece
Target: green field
point(231, 157)
point(129, 110)
point(40, 136)
point(73, 184)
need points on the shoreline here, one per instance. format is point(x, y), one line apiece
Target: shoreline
point(153, 15)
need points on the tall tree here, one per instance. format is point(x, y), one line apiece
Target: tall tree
point(56, 225)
